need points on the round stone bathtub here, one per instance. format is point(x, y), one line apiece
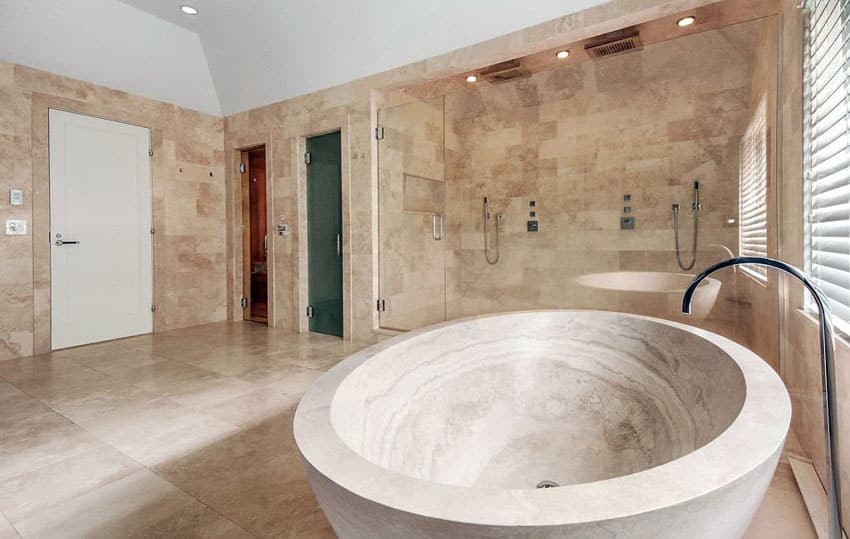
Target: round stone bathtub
point(651, 428)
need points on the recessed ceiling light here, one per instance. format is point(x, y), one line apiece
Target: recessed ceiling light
point(188, 10)
point(562, 55)
point(686, 21)
point(471, 78)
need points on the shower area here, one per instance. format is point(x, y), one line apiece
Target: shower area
point(583, 182)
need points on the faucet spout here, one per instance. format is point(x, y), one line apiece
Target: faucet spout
point(827, 358)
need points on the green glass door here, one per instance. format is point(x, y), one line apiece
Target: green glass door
point(324, 233)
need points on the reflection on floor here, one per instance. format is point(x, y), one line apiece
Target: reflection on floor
point(187, 433)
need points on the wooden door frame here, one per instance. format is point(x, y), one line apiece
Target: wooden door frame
point(244, 178)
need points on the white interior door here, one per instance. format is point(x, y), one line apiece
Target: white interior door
point(101, 275)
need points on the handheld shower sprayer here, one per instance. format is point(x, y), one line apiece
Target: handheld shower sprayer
point(696, 206)
point(495, 259)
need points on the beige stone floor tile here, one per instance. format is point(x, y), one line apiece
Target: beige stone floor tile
point(40, 441)
point(138, 505)
point(18, 406)
point(783, 513)
point(162, 375)
point(96, 403)
point(7, 531)
point(63, 381)
point(254, 408)
point(117, 362)
point(227, 360)
point(63, 480)
point(207, 390)
point(287, 378)
point(157, 431)
point(254, 478)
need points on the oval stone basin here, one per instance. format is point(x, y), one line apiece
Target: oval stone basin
point(653, 293)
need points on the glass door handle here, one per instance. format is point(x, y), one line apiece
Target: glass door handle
point(60, 243)
point(436, 233)
point(339, 245)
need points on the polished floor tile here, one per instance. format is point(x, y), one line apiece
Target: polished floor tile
point(188, 434)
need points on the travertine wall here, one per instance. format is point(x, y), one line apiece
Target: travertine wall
point(576, 140)
point(352, 108)
point(188, 203)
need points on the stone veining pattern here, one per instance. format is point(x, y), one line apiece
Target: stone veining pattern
point(652, 428)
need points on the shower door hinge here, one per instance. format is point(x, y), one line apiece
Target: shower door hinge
point(309, 311)
point(241, 168)
point(307, 158)
point(244, 302)
point(153, 231)
point(381, 305)
point(153, 308)
point(379, 133)
point(150, 153)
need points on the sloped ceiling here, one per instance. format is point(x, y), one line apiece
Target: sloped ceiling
point(237, 55)
point(112, 44)
point(262, 51)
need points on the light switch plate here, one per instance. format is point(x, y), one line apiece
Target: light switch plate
point(16, 197)
point(16, 227)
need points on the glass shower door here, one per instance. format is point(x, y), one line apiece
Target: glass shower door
point(412, 225)
point(324, 234)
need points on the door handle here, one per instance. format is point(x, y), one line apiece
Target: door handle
point(60, 243)
point(339, 245)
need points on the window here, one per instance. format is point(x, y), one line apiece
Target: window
point(753, 191)
point(827, 153)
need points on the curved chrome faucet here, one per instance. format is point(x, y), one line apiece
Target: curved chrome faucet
point(827, 356)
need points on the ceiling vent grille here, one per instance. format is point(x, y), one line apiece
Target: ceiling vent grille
point(504, 72)
point(614, 43)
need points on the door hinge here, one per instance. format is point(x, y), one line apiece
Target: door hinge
point(244, 302)
point(150, 153)
point(153, 231)
point(309, 311)
point(381, 305)
point(241, 168)
point(379, 133)
point(307, 158)
point(153, 308)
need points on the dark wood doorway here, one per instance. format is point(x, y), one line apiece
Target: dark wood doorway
point(255, 301)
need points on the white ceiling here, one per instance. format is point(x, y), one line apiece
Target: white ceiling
point(237, 55)
point(109, 43)
point(262, 51)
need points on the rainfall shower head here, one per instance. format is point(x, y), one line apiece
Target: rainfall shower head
point(504, 72)
point(614, 43)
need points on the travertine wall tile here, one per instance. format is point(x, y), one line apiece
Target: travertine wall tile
point(575, 140)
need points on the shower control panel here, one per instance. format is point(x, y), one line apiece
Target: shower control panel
point(533, 225)
point(627, 222)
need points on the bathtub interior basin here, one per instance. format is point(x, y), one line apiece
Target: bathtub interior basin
point(653, 293)
point(555, 401)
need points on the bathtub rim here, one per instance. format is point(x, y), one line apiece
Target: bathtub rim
point(754, 437)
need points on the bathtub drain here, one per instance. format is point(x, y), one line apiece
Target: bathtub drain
point(547, 484)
